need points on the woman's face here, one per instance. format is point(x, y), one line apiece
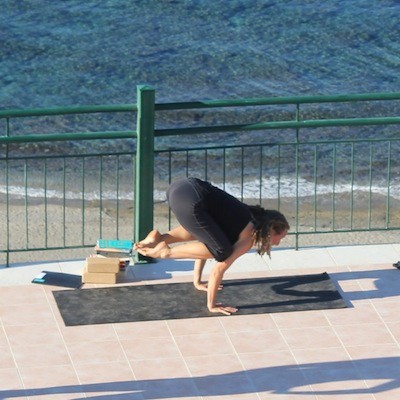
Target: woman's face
point(277, 237)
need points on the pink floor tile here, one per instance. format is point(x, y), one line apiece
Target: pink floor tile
point(297, 319)
point(360, 314)
point(388, 311)
point(21, 314)
point(167, 368)
point(345, 396)
point(10, 379)
point(3, 337)
point(91, 352)
point(225, 385)
point(364, 334)
point(358, 352)
point(104, 372)
point(269, 396)
point(311, 338)
point(28, 294)
point(284, 379)
point(150, 348)
point(253, 361)
point(138, 330)
point(86, 333)
point(25, 335)
point(39, 355)
point(321, 356)
point(6, 358)
point(344, 383)
point(258, 341)
point(213, 365)
point(381, 392)
point(242, 323)
point(49, 378)
point(246, 396)
point(394, 329)
point(204, 345)
point(195, 326)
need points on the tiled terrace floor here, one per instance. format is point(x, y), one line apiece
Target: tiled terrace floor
point(351, 353)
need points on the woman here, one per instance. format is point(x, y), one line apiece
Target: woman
point(213, 224)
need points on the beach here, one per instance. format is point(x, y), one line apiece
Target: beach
point(85, 223)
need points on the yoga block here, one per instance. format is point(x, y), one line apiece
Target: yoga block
point(98, 277)
point(102, 264)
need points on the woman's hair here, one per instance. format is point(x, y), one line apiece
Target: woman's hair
point(266, 222)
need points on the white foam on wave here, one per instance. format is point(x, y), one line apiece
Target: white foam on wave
point(270, 188)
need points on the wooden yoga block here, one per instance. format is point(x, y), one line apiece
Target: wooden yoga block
point(99, 277)
point(102, 264)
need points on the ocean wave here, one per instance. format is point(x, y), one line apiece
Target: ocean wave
point(270, 188)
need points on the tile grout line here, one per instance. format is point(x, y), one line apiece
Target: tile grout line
point(125, 355)
point(64, 342)
point(183, 359)
point(238, 357)
point(14, 359)
point(385, 324)
point(294, 356)
point(345, 349)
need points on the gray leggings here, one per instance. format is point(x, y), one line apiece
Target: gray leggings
point(188, 199)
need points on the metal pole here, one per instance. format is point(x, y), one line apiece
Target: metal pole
point(144, 184)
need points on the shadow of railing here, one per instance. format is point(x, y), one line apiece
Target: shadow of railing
point(367, 376)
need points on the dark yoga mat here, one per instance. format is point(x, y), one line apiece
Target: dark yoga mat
point(182, 300)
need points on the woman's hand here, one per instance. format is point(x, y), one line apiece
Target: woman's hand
point(219, 308)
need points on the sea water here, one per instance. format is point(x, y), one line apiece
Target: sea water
point(75, 52)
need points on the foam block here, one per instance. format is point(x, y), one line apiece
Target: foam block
point(102, 264)
point(99, 277)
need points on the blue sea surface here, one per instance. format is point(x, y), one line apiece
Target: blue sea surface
point(75, 52)
point(86, 52)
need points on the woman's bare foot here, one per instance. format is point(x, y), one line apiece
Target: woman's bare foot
point(161, 250)
point(150, 241)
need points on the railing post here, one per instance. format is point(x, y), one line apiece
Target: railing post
point(144, 182)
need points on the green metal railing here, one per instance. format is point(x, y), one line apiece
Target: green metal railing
point(150, 157)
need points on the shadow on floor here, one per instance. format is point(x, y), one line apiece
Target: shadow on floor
point(283, 380)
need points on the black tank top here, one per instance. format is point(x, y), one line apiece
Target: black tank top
point(231, 214)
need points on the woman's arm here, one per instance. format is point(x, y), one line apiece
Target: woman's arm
point(197, 273)
point(242, 246)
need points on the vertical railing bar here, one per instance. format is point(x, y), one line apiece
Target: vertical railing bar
point(118, 196)
point(297, 176)
point(315, 187)
point(242, 175)
point(83, 200)
point(334, 155)
point(101, 196)
point(388, 179)
point(206, 164)
point(224, 167)
point(133, 190)
point(144, 183)
point(64, 202)
point(26, 205)
point(45, 204)
point(352, 187)
point(279, 175)
point(370, 186)
point(187, 163)
point(260, 176)
point(7, 196)
point(169, 182)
